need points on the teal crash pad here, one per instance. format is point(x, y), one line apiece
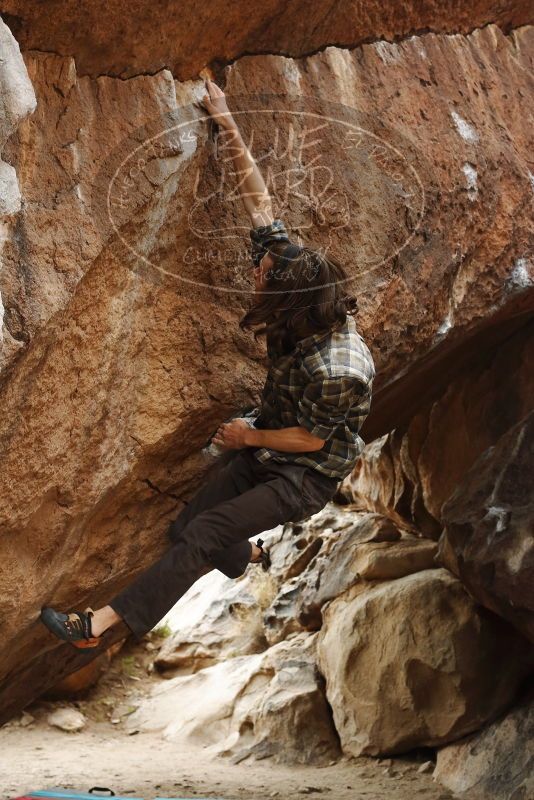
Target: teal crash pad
point(61, 795)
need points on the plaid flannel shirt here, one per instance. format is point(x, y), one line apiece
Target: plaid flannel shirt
point(324, 385)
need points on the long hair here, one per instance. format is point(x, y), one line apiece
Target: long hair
point(302, 295)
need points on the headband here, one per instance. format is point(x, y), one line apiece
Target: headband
point(291, 251)
point(264, 236)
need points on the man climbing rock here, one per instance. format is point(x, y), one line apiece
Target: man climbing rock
point(305, 439)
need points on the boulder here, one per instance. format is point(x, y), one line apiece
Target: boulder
point(413, 470)
point(370, 548)
point(415, 663)
point(295, 545)
point(494, 764)
point(122, 350)
point(218, 619)
point(488, 538)
point(462, 473)
point(126, 40)
point(386, 561)
point(67, 719)
point(311, 563)
point(260, 705)
point(78, 683)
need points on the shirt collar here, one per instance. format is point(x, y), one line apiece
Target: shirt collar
point(312, 339)
point(317, 337)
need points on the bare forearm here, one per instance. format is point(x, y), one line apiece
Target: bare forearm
point(291, 440)
point(251, 185)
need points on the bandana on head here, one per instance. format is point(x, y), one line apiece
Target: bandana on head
point(265, 236)
point(290, 252)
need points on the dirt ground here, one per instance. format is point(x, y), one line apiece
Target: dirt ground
point(35, 755)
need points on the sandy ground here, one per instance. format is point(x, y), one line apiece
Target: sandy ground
point(40, 757)
point(36, 755)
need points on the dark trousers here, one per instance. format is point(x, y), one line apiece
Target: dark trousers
point(239, 500)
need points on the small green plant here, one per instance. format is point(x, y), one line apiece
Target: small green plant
point(163, 631)
point(129, 665)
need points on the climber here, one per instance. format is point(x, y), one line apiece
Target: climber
point(305, 438)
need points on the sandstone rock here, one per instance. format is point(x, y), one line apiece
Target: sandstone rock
point(77, 683)
point(453, 325)
point(489, 523)
point(17, 101)
point(367, 528)
point(494, 764)
point(67, 719)
point(219, 619)
point(265, 704)
point(370, 548)
point(296, 545)
point(113, 378)
point(414, 663)
point(385, 562)
point(483, 457)
point(194, 39)
point(401, 473)
point(426, 768)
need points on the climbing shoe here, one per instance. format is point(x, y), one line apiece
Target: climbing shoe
point(264, 559)
point(74, 628)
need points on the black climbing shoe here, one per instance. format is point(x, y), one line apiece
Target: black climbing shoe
point(74, 628)
point(264, 559)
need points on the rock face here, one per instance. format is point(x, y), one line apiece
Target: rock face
point(489, 525)
point(495, 764)
point(268, 704)
point(339, 557)
point(413, 470)
point(127, 39)
point(408, 659)
point(17, 101)
point(413, 662)
point(77, 683)
point(219, 624)
point(463, 471)
point(121, 350)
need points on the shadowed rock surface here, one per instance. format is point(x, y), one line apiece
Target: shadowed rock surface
point(495, 764)
point(126, 39)
point(489, 527)
point(463, 470)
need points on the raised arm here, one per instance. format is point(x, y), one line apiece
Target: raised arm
point(252, 188)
